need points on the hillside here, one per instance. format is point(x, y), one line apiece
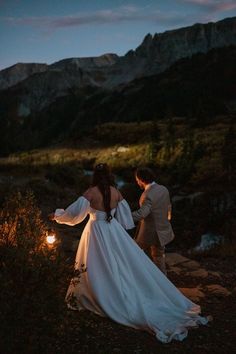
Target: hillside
point(198, 88)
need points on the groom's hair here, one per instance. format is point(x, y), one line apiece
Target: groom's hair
point(145, 174)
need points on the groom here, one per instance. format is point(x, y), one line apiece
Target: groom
point(155, 230)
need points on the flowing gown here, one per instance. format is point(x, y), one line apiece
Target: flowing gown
point(115, 278)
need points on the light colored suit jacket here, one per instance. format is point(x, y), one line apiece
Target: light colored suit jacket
point(153, 216)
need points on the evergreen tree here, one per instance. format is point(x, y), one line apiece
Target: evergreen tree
point(170, 136)
point(229, 152)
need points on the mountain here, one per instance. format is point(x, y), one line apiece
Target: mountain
point(76, 66)
point(198, 88)
point(36, 87)
point(159, 52)
point(155, 54)
point(19, 72)
point(185, 71)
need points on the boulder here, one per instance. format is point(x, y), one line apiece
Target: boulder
point(122, 149)
point(218, 290)
point(194, 294)
point(175, 258)
point(199, 273)
point(214, 274)
point(175, 270)
point(191, 265)
point(234, 291)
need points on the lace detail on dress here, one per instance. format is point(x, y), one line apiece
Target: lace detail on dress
point(71, 299)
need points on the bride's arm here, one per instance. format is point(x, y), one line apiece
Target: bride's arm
point(74, 214)
point(123, 215)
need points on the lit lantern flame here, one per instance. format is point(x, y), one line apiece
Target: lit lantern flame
point(51, 239)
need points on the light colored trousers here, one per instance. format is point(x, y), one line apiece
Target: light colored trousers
point(156, 253)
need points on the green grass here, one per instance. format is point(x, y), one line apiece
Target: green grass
point(185, 158)
point(102, 145)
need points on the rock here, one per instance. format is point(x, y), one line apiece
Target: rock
point(19, 72)
point(199, 273)
point(234, 291)
point(214, 274)
point(122, 149)
point(208, 241)
point(194, 294)
point(175, 258)
point(218, 290)
point(191, 265)
point(175, 270)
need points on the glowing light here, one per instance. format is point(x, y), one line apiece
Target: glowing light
point(51, 239)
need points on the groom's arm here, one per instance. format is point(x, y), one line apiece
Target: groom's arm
point(144, 210)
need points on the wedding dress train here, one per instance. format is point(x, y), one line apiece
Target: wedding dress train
point(116, 279)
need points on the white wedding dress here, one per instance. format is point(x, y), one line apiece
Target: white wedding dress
point(117, 279)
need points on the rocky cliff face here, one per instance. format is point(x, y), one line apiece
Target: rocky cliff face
point(88, 71)
point(62, 78)
point(38, 85)
point(159, 52)
point(197, 88)
point(19, 72)
point(89, 63)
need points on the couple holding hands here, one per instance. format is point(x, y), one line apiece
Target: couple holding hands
point(122, 278)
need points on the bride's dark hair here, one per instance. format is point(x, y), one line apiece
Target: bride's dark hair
point(103, 179)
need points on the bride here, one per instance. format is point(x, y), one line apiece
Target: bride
point(113, 276)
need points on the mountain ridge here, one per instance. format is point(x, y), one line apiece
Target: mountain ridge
point(53, 103)
point(155, 54)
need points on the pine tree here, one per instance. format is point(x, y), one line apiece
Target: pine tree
point(229, 152)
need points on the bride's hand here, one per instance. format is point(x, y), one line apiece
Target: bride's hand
point(51, 216)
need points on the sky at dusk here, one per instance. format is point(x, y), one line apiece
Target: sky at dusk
point(46, 31)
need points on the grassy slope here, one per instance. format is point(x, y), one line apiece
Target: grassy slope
point(56, 177)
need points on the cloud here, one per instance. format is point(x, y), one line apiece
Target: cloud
point(209, 11)
point(225, 6)
point(213, 5)
point(123, 14)
point(199, 2)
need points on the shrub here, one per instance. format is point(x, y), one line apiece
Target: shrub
point(130, 133)
point(33, 279)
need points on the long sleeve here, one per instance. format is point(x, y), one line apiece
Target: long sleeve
point(123, 215)
point(143, 211)
point(74, 214)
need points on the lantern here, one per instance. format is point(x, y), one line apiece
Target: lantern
point(50, 237)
